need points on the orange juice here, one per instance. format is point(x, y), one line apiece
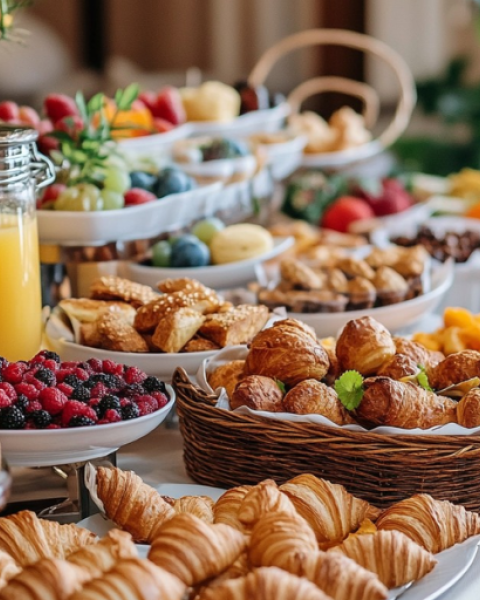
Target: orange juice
point(20, 292)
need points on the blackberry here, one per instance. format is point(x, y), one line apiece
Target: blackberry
point(89, 384)
point(41, 418)
point(73, 381)
point(153, 384)
point(109, 401)
point(80, 393)
point(11, 418)
point(133, 389)
point(48, 355)
point(22, 402)
point(80, 421)
point(114, 382)
point(130, 411)
point(46, 376)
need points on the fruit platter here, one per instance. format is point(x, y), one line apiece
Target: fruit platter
point(211, 253)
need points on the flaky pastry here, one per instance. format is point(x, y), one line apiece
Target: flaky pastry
point(313, 397)
point(258, 393)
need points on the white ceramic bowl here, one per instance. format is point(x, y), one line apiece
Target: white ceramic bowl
point(465, 289)
point(286, 157)
point(72, 228)
point(47, 447)
point(157, 143)
point(396, 317)
point(214, 276)
point(224, 169)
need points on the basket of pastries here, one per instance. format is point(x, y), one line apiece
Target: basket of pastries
point(378, 413)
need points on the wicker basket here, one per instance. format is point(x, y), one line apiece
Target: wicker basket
point(226, 449)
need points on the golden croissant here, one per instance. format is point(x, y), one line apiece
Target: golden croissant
point(8, 568)
point(101, 557)
point(267, 583)
point(264, 498)
point(390, 554)
point(200, 506)
point(132, 504)
point(225, 509)
point(47, 579)
point(330, 510)
point(194, 550)
point(133, 579)
point(279, 539)
point(433, 524)
point(27, 538)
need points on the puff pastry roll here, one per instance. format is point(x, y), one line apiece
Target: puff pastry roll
point(433, 524)
point(99, 558)
point(329, 509)
point(455, 368)
point(468, 409)
point(267, 583)
point(133, 579)
point(47, 579)
point(225, 509)
point(8, 568)
point(262, 499)
point(313, 397)
point(390, 554)
point(193, 550)
point(132, 504)
point(199, 506)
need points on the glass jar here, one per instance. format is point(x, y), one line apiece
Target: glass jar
point(22, 171)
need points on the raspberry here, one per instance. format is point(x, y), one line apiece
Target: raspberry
point(99, 390)
point(8, 389)
point(28, 390)
point(80, 421)
point(144, 408)
point(148, 400)
point(22, 402)
point(81, 394)
point(95, 364)
point(13, 373)
point(65, 389)
point(52, 400)
point(112, 416)
point(130, 411)
point(74, 408)
point(38, 384)
point(5, 400)
point(30, 425)
point(112, 368)
point(50, 364)
point(70, 364)
point(81, 374)
point(53, 426)
point(41, 418)
point(33, 406)
point(162, 399)
point(153, 384)
point(11, 418)
point(125, 402)
point(47, 355)
point(134, 375)
point(46, 376)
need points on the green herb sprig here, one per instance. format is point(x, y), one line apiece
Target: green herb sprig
point(349, 388)
point(422, 379)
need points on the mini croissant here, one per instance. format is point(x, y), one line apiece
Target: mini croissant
point(225, 509)
point(330, 510)
point(390, 554)
point(267, 583)
point(194, 550)
point(262, 499)
point(433, 524)
point(133, 579)
point(200, 506)
point(132, 504)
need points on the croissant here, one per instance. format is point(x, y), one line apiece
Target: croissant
point(390, 554)
point(101, 557)
point(225, 509)
point(405, 405)
point(280, 540)
point(398, 367)
point(200, 506)
point(433, 524)
point(239, 568)
point(330, 510)
point(47, 579)
point(312, 397)
point(468, 409)
point(8, 568)
point(262, 499)
point(455, 368)
point(418, 353)
point(132, 504)
point(194, 550)
point(27, 538)
point(288, 354)
point(133, 579)
point(267, 583)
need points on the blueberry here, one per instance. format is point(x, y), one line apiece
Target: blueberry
point(143, 180)
point(190, 253)
point(173, 181)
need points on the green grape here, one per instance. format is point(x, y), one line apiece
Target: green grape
point(82, 197)
point(161, 254)
point(207, 228)
point(112, 200)
point(117, 179)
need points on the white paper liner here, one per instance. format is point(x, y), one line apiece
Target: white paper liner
point(240, 353)
point(90, 480)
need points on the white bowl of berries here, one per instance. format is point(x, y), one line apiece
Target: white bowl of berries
point(55, 413)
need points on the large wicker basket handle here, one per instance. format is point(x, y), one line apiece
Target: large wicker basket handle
point(350, 87)
point(351, 39)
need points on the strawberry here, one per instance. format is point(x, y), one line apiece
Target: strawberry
point(57, 106)
point(51, 193)
point(29, 116)
point(9, 111)
point(136, 196)
point(168, 105)
point(148, 98)
point(161, 125)
point(344, 211)
point(71, 124)
point(46, 144)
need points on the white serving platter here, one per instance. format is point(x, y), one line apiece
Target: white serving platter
point(48, 447)
point(395, 317)
point(215, 276)
point(74, 228)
